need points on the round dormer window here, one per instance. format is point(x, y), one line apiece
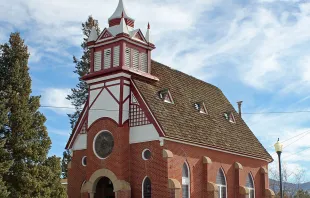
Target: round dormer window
point(103, 144)
point(146, 154)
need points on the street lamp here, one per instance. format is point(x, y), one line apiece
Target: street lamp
point(278, 147)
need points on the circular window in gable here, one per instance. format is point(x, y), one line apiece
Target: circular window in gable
point(84, 161)
point(146, 154)
point(103, 144)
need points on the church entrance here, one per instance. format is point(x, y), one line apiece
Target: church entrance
point(104, 188)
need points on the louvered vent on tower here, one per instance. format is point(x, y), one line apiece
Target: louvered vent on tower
point(143, 61)
point(107, 58)
point(135, 59)
point(97, 62)
point(116, 56)
point(127, 57)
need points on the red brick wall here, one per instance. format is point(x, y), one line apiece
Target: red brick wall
point(118, 161)
point(193, 155)
point(127, 164)
point(76, 174)
point(155, 168)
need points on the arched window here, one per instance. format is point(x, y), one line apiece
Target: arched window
point(221, 184)
point(250, 186)
point(146, 188)
point(185, 181)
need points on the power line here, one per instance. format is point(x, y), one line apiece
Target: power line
point(297, 152)
point(278, 112)
point(248, 113)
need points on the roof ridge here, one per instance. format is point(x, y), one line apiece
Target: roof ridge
point(209, 84)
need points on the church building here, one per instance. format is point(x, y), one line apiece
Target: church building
point(150, 131)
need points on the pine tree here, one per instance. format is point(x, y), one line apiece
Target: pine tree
point(80, 93)
point(32, 174)
point(5, 162)
point(64, 163)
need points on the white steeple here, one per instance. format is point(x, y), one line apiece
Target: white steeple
point(123, 26)
point(118, 12)
point(93, 35)
point(147, 35)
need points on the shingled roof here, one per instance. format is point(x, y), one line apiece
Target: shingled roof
point(181, 121)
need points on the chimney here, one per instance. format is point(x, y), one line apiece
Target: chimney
point(239, 107)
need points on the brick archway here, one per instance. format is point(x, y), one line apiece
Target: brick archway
point(121, 188)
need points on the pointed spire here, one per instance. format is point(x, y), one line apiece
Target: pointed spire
point(123, 26)
point(93, 35)
point(147, 35)
point(120, 10)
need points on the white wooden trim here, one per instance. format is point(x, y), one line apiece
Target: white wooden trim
point(147, 106)
point(74, 132)
point(108, 77)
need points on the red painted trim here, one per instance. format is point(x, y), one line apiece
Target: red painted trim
point(122, 53)
point(121, 101)
point(76, 125)
point(112, 57)
point(127, 98)
point(113, 96)
point(102, 58)
point(117, 70)
point(105, 86)
point(124, 37)
point(92, 59)
point(148, 112)
point(96, 98)
point(117, 21)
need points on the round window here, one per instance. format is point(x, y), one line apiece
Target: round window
point(103, 144)
point(84, 161)
point(146, 154)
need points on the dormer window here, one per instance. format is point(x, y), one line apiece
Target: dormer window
point(165, 96)
point(230, 117)
point(200, 107)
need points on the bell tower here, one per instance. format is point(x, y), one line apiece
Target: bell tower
point(117, 54)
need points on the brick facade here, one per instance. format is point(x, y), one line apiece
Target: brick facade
point(127, 164)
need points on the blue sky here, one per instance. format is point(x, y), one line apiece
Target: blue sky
point(255, 51)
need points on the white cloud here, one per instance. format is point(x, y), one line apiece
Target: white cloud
point(56, 100)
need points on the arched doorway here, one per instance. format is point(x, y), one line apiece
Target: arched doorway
point(104, 188)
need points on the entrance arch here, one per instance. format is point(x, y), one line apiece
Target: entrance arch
point(104, 188)
point(97, 180)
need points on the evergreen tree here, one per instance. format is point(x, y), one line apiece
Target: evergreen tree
point(64, 163)
point(80, 92)
point(32, 174)
point(5, 162)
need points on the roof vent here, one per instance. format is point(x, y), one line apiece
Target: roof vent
point(200, 106)
point(165, 96)
point(230, 117)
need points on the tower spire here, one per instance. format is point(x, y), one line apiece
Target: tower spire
point(118, 12)
point(147, 35)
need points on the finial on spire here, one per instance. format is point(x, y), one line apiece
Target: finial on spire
point(122, 14)
point(147, 35)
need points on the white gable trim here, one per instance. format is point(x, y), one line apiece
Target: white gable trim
point(162, 131)
point(78, 126)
